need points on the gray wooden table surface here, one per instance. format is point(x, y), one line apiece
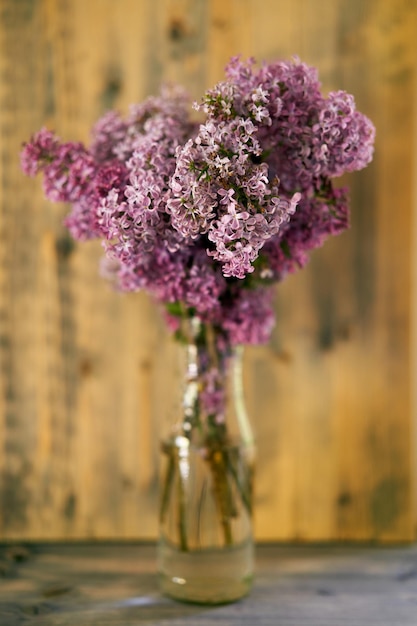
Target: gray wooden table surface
point(116, 584)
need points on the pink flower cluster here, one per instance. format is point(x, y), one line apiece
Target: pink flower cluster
point(205, 217)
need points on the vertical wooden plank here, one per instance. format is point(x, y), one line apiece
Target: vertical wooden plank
point(231, 32)
point(384, 35)
point(298, 419)
point(18, 272)
point(413, 342)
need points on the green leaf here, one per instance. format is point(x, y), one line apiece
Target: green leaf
point(286, 249)
point(175, 308)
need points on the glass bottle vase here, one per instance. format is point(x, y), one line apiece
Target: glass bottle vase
point(205, 551)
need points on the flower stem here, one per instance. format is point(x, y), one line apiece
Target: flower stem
point(182, 526)
point(167, 485)
point(222, 494)
point(244, 486)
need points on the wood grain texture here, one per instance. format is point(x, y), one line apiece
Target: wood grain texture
point(86, 375)
point(97, 585)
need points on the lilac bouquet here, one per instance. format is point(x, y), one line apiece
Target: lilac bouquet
point(206, 217)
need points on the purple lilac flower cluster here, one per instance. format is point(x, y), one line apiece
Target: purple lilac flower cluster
point(206, 217)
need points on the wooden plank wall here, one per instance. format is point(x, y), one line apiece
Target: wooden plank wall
point(86, 376)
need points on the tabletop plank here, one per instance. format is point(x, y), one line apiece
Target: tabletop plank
point(116, 584)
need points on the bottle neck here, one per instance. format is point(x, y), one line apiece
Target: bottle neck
point(213, 406)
